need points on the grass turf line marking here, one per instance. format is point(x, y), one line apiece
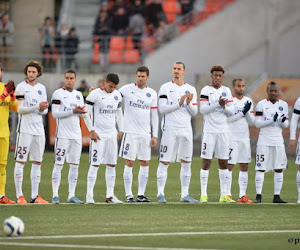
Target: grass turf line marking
point(145, 234)
point(93, 246)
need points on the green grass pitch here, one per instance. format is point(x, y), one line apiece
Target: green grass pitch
point(154, 226)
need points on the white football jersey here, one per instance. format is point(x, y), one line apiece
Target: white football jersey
point(271, 135)
point(181, 116)
point(63, 103)
point(294, 120)
point(104, 111)
point(30, 97)
point(239, 129)
point(137, 108)
point(215, 121)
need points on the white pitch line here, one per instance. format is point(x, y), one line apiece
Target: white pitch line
point(145, 234)
point(93, 246)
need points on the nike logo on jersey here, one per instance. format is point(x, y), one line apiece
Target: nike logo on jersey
point(27, 91)
point(65, 97)
point(103, 98)
point(172, 91)
point(132, 92)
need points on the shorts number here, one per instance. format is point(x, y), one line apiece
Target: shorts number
point(22, 150)
point(163, 149)
point(230, 151)
point(60, 152)
point(204, 146)
point(260, 158)
point(127, 147)
point(95, 153)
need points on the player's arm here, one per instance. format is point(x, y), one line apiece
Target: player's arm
point(294, 120)
point(250, 114)
point(55, 107)
point(120, 121)
point(205, 108)
point(235, 117)
point(229, 107)
point(43, 110)
point(20, 96)
point(284, 119)
point(259, 115)
point(192, 104)
point(163, 105)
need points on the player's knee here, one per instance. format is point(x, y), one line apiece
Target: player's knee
point(165, 163)
point(206, 164)
point(144, 163)
point(230, 167)
point(129, 163)
point(278, 170)
point(223, 164)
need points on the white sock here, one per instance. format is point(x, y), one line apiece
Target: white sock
point(298, 183)
point(35, 176)
point(162, 174)
point(259, 181)
point(204, 180)
point(18, 174)
point(91, 180)
point(56, 177)
point(72, 178)
point(278, 181)
point(243, 183)
point(110, 177)
point(229, 182)
point(127, 175)
point(143, 179)
point(223, 176)
point(185, 178)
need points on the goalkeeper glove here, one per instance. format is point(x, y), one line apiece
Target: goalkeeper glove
point(246, 107)
point(275, 117)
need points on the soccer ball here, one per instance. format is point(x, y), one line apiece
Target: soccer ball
point(13, 226)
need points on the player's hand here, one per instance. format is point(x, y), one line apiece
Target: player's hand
point(283, 118)
point(79, 110)
point(275, 117)
point(43, 106)
point(91, 89)
point(247, 107)
point(10, 86)
point(292, 144)
point(182, 100)
point(222, 102)
point(153, 142)
point(94, 136)
point(189, 98)
point(4, 94)
point(119, 136)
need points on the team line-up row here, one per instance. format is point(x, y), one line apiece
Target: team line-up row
point(225, 133)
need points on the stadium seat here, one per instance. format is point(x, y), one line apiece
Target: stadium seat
point(170, 7)
point(96, 53)
point(115, 56)
point(171, 17)
point(148, 44)
point(129, 43)
point(132, 56)
point(117, 43)
point(55, 56)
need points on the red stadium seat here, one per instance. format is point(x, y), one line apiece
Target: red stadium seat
point(129, 43)
point(117, 42)
point(115, 56)
point(132, 56)
point(96, 53)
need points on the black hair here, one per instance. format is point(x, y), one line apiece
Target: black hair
point(112, 77)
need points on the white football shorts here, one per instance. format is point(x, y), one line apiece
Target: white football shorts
point(104, 151)
point(216, 144)
point(135, 146)
point(270, 158)
point(176, 142)
point(297, 161)
point(33, 144)
point(239, 152)
point(69, 149)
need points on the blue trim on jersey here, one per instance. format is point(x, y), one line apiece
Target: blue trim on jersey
point(19, 123)
point(164, 123)
point(123, 143)
point(17, 145)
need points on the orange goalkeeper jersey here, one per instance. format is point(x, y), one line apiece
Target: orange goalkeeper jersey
point(4, 112)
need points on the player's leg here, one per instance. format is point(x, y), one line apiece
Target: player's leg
point(4, 147)
point(144, 155)
point(96, 149)
point(167, 153)
point(128, 150)
point(297, 162)
point(262, 161)
point(280, 163)
point(73, 158)
point(37, 148)
point(110, 156)
point(60, 151)
point(207, 149)
point(21, 153)
point(233, 155)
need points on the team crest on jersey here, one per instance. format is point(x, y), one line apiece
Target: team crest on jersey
point(204, 152)
point(148, 95)
point(223, 93)
point(116, 98)
point(40, 92)
point(161, 155)
point(78, 97)
point(58, 158)
point(94, 159)
point(187, 92)
point(280, 108)
point(21, 156)
point(258, 164)
point(125, 152)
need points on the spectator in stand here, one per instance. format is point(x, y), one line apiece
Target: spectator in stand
point(60, 39)
point(136, 28)
point(47, 42)
point(84, 88)
point(6, 39)
point(71, 48)
point(187, 6)
point(162, 34)
point(153, 14)
point(136, 7)
point(120, 22)
point(102, 32)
